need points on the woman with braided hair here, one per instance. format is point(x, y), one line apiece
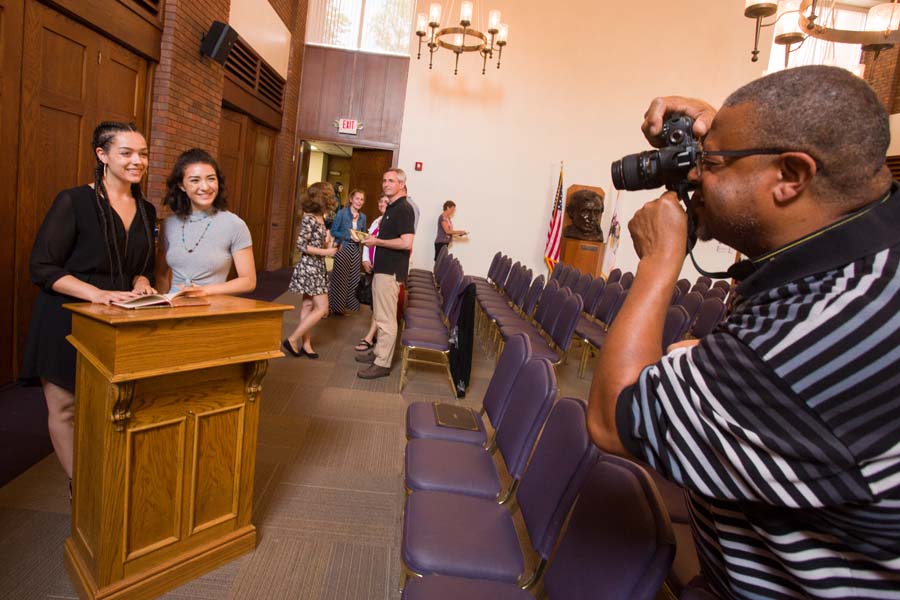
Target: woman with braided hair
point(96, 244)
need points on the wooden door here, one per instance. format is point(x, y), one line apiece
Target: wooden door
point(246, 150)
point(367, 168)
point(72, 78)
point(11, 15)
point(232, 145)
point(258, 187)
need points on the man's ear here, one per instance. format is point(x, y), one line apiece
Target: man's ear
point(796, 171)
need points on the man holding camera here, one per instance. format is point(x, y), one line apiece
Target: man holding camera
point(782, 424)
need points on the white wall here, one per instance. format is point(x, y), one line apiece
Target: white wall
point(316, 171)
point(575, 81)
point(258, 23)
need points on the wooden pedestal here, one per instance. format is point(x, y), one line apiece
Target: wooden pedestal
point(167, 406)
point(587, 257)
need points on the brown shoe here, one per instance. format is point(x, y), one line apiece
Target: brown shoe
point(373, 371)
point(366, 357)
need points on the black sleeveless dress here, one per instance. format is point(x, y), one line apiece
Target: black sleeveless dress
point(71, 242)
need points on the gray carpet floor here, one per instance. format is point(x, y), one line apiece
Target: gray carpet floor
point(328, 495)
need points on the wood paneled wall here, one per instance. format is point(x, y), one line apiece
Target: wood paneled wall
point(343, 83)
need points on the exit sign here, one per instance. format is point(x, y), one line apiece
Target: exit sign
point(348, 126)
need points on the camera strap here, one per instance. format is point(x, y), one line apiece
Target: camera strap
point(739, 270)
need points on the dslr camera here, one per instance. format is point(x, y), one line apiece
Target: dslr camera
point(668, 166)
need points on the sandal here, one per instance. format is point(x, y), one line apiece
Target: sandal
point(363, 345)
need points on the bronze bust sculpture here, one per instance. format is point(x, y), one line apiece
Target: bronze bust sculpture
point(585, 209)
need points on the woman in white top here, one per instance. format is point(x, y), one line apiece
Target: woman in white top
point(201, 239)
point(368, 259)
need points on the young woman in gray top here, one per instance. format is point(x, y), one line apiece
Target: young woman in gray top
point(202, 239)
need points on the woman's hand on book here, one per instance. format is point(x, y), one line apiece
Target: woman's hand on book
point(142, 286)
point(194, 291)
point(107, 296)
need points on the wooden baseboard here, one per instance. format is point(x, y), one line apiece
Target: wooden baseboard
point(155, 582)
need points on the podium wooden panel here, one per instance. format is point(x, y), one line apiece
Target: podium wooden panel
point(167, 407)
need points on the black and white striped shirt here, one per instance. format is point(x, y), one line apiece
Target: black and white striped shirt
point(784, 424)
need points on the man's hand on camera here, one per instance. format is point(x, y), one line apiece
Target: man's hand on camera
point(659, 230)
point(701, 112)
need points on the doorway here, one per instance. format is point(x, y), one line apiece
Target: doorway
point(352, 166)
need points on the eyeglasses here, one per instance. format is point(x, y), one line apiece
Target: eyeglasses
point(703, 161)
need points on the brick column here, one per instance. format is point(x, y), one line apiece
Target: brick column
point(281, 204)
point(187, 92)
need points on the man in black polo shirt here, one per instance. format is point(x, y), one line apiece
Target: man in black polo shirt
point(394, 243)
point(783, 423)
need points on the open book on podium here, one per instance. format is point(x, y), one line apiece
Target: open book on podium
point(170, 300)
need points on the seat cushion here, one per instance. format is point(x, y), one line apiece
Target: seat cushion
point(432, 321)
point(590, 331)
point(430, 339)
point(440, 587)
point(462, 536)
point(541, 349)
point(420, 423)
point(442, 466)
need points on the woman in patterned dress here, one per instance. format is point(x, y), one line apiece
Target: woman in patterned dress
point(314, 244)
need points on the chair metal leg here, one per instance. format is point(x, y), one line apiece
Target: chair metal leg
point(446, 356)
point(404, 364)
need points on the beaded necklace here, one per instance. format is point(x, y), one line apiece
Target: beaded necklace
point(202, 235)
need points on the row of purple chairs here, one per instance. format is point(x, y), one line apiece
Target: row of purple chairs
point(432, 307)
point(460, 540)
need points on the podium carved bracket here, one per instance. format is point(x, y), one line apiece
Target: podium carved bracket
point(121, 395)
point(255, 372)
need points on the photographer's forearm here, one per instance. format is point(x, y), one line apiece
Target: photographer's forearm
point(634, 342)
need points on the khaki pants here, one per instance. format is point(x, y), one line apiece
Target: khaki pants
point(385, 295)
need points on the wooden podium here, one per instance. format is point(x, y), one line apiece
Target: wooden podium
point(167, 406)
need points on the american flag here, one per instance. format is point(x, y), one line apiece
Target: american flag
point(554, 236)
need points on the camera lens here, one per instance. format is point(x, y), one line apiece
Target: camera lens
point(636, 171)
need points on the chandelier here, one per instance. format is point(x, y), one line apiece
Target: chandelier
point(461, 38)
point(797, 19)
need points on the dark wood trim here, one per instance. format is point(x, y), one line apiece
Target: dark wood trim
point(120, 22)
point(235, 95)
point(10, 79)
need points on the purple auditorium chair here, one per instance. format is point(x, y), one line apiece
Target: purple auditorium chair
point(626, 280)
point(723, 284)
point(716, 292)
point(708, 316)
point(516, 316)
point(569, 278)
point(478, 280)
point(426, 274)
point(557, 346)
point(700, 287)
point(508, 327)
point(614, 276)
point(420, 419)
point(582, 285)
point(434, 315)
point(541, 336)
point(593, 331)
point(465, 536)
point(557, 271)
point(447, 466)
point(684, 285)
point(691, 302)
point(704, 280)
point(593, 295)
point(677, 323)
point(618, 545)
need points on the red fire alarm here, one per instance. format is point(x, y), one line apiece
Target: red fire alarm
point(418, 166)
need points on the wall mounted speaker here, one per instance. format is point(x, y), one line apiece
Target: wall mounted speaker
point(218, 41)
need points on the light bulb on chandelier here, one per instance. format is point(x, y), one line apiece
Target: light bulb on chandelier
point(882, 29)
point(464, 37)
